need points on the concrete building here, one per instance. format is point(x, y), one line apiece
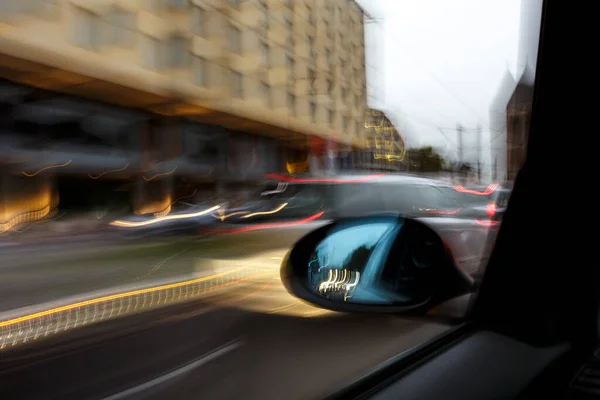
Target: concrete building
point(223, 90)
point(510, 111)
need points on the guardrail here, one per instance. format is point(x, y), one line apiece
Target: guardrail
point(34, 326)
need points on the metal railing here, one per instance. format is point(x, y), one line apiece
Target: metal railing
point(26, 328)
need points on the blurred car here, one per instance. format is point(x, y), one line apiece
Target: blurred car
point(484, 202)
point(467, 218)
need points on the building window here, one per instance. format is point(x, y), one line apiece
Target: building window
point(199, 69)
point(311, 46)
point(198, 20)
point(313, 111)
point(330, 117)
point(122, 27)
point(291, 65)
point(328, 14)
point(329, 86)
point(235, 39)
point(151, 52)
point(237, 84)
point(86, 28)
point(328, 56)
point(310, 15)
point(266, 93)
point(357, 75)
point(311, 76)
point(264, 54)
point(178, 52)
point(265, 19)
point(291, 103)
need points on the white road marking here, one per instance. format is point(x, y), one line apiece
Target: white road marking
point(177, 372)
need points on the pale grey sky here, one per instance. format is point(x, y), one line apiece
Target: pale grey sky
point(435, 63)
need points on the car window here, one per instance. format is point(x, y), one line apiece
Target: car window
point(170, 154)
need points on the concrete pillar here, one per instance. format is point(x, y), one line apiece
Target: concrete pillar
point(25, 198)
point(153, 196)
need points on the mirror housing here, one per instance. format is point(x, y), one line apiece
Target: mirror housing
point(377, 264)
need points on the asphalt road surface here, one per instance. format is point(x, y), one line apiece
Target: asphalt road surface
point(246, 339)
point(251, 341)
point(39, 273)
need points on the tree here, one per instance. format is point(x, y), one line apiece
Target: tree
point(424, 159)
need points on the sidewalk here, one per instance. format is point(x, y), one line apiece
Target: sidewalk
point(58, 230)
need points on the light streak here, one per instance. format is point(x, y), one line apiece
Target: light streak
point(271, 225)
point(486, 222)
point(185, 197)
point(109, 171)
point(131, 224)
point(439, 212)
point(158, 175)
point(112, 297)
point(48, 167)
point(222, 216)
point(323, 180)
point(489, 190)
point(281, 186)
point(266, 212)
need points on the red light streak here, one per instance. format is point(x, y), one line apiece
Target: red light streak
point(486, 222)
point(322, 180)
point(439, 212)
point(263, 226)
point(490, 209)
point(490, 189)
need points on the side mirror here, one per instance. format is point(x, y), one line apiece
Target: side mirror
point(383, 264)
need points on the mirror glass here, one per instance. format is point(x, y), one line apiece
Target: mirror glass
point(375, 262)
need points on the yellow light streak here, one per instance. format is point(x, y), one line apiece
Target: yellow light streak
point(131, 224)
point(158, 175)
point(266, 212)
point(223, 216)
point(112, 297)
point(48, 167)
point(109, 171)
point(185, 197)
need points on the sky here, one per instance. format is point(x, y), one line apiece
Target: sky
point(433, 64)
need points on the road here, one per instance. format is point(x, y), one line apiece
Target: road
point(236, 338)
point(45, 272)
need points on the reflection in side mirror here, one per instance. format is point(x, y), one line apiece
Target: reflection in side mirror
point(385, 264)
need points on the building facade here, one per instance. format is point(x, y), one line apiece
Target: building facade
point(384, 146)
point(510, 111)
point(220, 89)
